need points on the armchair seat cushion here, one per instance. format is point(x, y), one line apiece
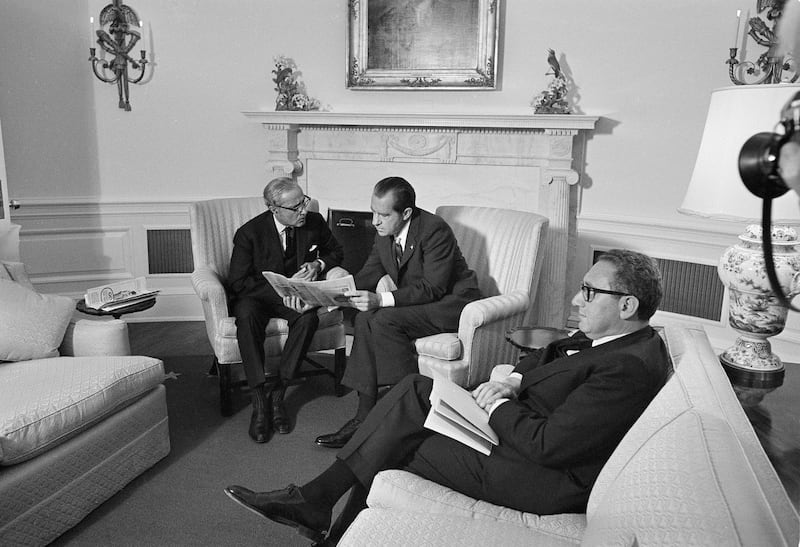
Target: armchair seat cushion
point(47, 401)
point(445, 346)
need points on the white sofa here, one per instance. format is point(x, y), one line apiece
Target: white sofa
point(75, 427)
point(691, 471)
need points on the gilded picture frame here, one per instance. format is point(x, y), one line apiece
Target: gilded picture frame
point(422, 44)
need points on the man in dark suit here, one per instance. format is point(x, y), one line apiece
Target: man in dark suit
point(419, 252)
point(559, 415)
point(289, 240)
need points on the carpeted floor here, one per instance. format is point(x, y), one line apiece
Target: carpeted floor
point(180, 500)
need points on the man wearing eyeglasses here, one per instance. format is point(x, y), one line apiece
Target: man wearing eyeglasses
point(559, 414)
point(294, 242)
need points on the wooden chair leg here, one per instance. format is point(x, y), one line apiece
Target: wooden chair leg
point(225, 390)
point(339, 362)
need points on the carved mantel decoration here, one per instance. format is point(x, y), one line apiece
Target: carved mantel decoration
point(529, 163)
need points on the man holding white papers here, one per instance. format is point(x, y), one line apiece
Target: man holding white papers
point(559, 415)
point(294, 242)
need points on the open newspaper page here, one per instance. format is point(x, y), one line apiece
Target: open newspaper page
point(455, 413)
point(118, 295)
point(313, 293)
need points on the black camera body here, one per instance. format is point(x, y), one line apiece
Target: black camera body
point(758, 158)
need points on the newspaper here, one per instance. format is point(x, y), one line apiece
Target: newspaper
point(455, 413)
point(119, 295)
point(313, 293)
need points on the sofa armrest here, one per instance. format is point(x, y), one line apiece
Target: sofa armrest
point(86, 337)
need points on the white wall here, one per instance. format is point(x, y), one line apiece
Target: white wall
point(647, 68)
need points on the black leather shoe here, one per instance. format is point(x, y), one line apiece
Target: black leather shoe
point(260, 420)
point(287, 507)
point(280, 420)
point(340, 438)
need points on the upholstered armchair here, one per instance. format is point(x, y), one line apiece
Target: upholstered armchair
point(213, 224)
point(502, 246)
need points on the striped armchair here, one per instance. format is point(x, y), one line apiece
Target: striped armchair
point(502, 246)
point(213, 224)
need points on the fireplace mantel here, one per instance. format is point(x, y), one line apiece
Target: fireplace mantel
point(524, 162)
point(484, 121)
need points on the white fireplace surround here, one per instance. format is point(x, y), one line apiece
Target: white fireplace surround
point(523, 162)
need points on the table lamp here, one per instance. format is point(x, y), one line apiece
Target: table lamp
point(716, 191)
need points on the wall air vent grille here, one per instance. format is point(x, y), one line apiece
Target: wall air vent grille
point(169, 251)
point(689, 288)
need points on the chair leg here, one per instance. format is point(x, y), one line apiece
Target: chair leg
point(214, 370)
point(225, 389)
point(339, 362)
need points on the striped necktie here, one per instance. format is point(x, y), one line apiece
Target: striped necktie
point(398, 252)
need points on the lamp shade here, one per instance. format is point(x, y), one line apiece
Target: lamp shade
point(734, 115)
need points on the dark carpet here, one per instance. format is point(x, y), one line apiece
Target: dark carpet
point(180, 500)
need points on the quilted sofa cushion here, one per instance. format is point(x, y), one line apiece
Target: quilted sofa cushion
point(689, 484)
point(403, 491)
point(393, 528)
point(46, 401)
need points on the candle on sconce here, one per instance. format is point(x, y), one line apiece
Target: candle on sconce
point(142, 42)
point(738, 26)
point(92, 35)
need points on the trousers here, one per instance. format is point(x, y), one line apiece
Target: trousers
point(393, 436)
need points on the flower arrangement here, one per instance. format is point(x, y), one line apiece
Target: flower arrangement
point(553, 99)
point(291, 91)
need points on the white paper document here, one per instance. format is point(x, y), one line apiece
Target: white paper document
point(313, 293)
point(119, 295)
point(456, 414)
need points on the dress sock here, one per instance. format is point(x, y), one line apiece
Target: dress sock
point(330, 485)
point(365, 404)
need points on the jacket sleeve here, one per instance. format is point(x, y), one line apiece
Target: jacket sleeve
point(591, 420)
point(329, 250)
point(242, 276)
point(372, 271)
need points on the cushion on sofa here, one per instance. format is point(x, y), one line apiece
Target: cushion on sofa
point(15, 271)
point(32, 325)
point(46, 401)
point(395, 528)
point(401, 490)
point(689, 484)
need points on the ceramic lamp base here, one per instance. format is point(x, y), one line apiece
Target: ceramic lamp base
point(752, 369)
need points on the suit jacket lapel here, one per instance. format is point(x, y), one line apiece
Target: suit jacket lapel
point(411, 240)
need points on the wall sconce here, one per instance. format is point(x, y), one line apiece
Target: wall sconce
point(117, 42)
point(770, 66)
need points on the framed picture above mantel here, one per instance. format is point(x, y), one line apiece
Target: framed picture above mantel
point(422, 44)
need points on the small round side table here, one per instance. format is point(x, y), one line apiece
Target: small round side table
point(119, 312)
point(528, 339)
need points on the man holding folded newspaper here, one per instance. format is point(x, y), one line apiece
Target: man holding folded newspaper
point(294, 242)
point(559, 414)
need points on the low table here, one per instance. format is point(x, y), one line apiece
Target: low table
point(119, 312)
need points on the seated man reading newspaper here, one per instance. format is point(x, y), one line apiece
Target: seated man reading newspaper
point(558, 416)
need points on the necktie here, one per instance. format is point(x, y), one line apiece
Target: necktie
point(289, 231)
point(398, 252)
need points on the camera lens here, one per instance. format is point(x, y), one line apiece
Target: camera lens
point(758, 165)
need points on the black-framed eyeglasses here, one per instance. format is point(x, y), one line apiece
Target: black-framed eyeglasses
point(297, 208)
point(589, 292)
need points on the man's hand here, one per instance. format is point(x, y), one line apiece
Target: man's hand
point(309, 271)
point(789, 164)
point(364, 300)
point(488, 392)
point(296, 304)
